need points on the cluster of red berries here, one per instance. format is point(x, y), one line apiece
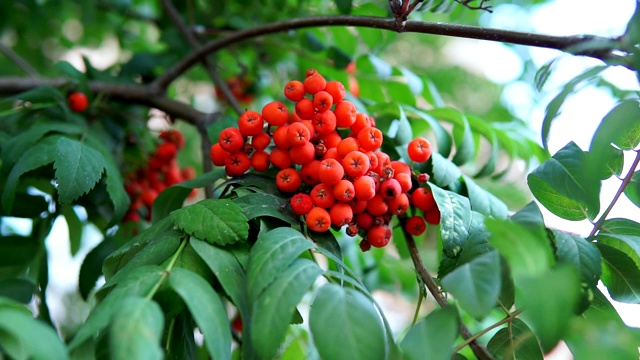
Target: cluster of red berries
point(77, 101)
point(161, 171)
point(328, 158)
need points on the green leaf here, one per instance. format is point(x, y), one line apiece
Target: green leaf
point(136, 330)
point(264, 183)
point(23, 337)
point(310, 41)
point(527, 253)
point(628, 244)
point(631, 35)
point(549, 300)
point(563, 186)
point(582, 255)
point(633, 189)
point(20, 290)
point(444, 171)
point(443, 139)
point(373, 65)
point(218, 221)
point(75, 228)
point(621, 126)
point(434, 335)
point(259, 204)
point(327, 241)
point(553, 109)
point(483, 201)
point(344, 6)
point(227, 270)
point(345, 325)
point(340, 58)
point(207, 310)
point(620, 275)
point(274, 308)
point(41, 154)
point(17, 250)
point(78, 169)
point(173, 197)
point(455, 219)
point(515, 342)
point(462, 134)
point(272, 253)
point(476, 284)
point(91, 268)
point(620, 226)
point(543, 74)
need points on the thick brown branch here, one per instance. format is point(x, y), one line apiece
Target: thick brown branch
point(195, 45)
point(478, 349)
point(563, 43)
point(138, 94)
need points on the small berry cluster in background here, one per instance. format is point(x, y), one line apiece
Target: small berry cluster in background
point(329, 160)
point(161, 171)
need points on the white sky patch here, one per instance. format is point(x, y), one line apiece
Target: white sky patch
point(494, 60)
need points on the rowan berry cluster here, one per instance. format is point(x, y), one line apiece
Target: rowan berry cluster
point(161, 171)
point(328, 156)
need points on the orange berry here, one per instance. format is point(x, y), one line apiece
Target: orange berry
point(390, 189)
point(370, 138)
point(331, 171)
point(419, 149)
point(400, 167)
point(301, 204)
point(345, 114)
point(358, 206)
point(148, 196)
point(324, 122)
point(341, 214)
point(377, 206)
point(318, 219)
point(309, 172)
point(250, 123)
point(433, 216)
point(405, 181)
point(322, 101)
point(260, 160)
point(294, 90)
point(365, 188)
point(361, 122)
point(304, 109)
point(260, 141)
point(288, 180)
point(275, 113)
point(378, 236)
point(237, 164)
point(322, 195)
point(332, 153)
point(280, 137)
point(310, 72)
point(302, 154)
point(399, 205)
point(217, 154)
point(298, 134)
point(314, 83)
point(356, 164)
point(337, 91)
point(415, 225)
point(347, 145)
point(331, 139)
point(364, 220)
point(280, 158)
point(422, 198)
point(383, 160)
point(344, 191)
point(231, 140)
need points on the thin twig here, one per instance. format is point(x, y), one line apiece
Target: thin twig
point(464, 31)
point(479, 350)
point(18, 60)
point(508, 319)
point(623, 186)
point(195, 45)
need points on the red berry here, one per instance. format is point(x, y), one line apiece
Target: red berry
point(77, 102)
point(301, 204)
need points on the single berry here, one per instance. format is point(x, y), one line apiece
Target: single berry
point(415, 225)
point(275, 113)
point(419, 149)
point(422, 198)
point(260, 161)
point(250, 123)
point(433, 216)
point(378, 235)
point(77, 101)
point(341, 214)
point(218, 155)
point(301, 204)
point(288, 180)
point(318, 219)
point(294, 90)
point(231, 140)
point(331, 171)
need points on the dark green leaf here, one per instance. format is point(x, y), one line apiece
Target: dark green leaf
point(24, 337)
point(549, 300)
point(579, 253)
point(17, 250)
point(516, 342)
point(326, 240)
point(621, 226)
point(340, 58)
point(434, 335)
point(483, 201)
point(563, 186)
point(476, 284)
point(172, 198)
point(631, 35)
point(91, 268)
point(264, 183)
point(373, 65)
point(543, 74)
point(620, 275)
point(311, 42)
point(217, 221)
point(260, 204)
point(272, 253)
point(136, 330)
point(274, 308)
point(78, 169)
point(621, 126)
point(455, 219)
point(75, 228)
point(633, 189)
point(344, 6)
point(462, 134)
point(20, 290)
point(207, 310)
point(628, 244)
point(527, 253)
point(345, 325)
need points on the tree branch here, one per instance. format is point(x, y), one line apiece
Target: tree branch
point(563, 43)
point(195, 45)
point(478, 349)
point(22, 63)
point(138, 94)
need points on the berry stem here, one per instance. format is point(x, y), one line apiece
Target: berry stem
point(167, 269)
point(479, 350)
point(508, 319)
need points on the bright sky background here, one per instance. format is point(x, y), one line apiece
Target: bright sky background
point(579, 119)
